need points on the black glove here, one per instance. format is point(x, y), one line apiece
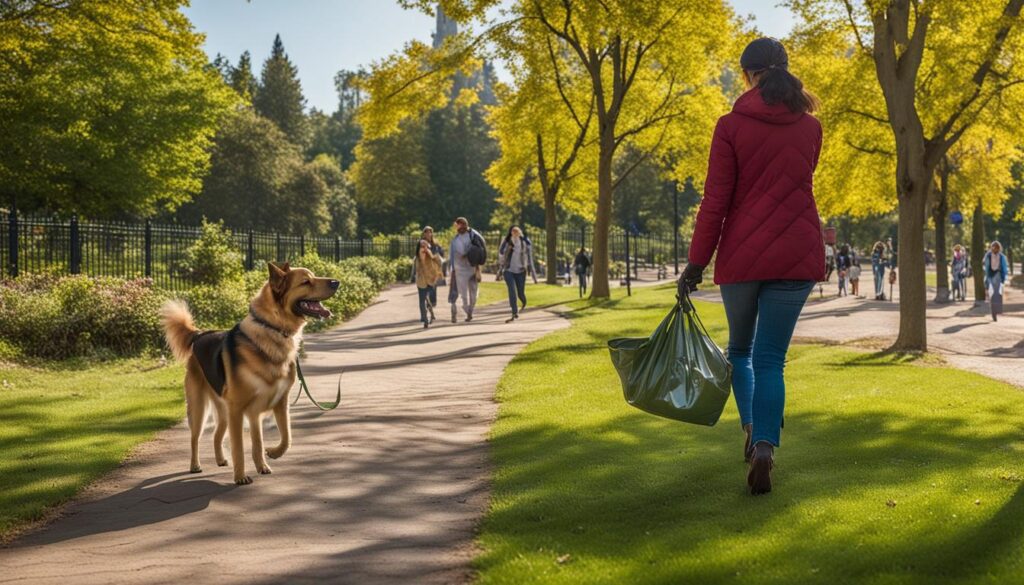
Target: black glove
point(693, 275)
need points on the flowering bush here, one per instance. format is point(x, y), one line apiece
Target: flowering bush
point(59, 317)
point(77, 315)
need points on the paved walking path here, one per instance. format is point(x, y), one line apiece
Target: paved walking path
point(389, 488)
point(964, 334)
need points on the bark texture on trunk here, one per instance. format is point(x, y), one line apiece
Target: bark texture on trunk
point(600, 288)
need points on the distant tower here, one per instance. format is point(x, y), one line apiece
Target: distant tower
point(480, 80)
point(445, 27)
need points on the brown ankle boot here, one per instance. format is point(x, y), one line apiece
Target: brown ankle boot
point(748, 429)
point(759, 478)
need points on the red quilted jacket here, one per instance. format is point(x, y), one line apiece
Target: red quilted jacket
point(758, 208)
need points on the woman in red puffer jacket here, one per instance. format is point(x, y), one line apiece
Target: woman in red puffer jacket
point(758, 212)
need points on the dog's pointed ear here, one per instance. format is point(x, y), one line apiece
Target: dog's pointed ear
point(278, 272)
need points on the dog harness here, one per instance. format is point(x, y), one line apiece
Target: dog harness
point(209, 348)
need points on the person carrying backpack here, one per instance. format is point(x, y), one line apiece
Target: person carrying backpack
point(581, 265)
point(467, 255)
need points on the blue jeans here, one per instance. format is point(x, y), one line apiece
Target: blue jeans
point(762, 316)
point(879, 270)
point(428, 294)
point(516, 283)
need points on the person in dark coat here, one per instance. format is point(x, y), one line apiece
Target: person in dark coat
point(759, 213)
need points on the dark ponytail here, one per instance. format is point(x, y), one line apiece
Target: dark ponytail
point(778, 85)
point(765, 60)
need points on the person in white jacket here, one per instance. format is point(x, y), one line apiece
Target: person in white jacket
point(467, 276)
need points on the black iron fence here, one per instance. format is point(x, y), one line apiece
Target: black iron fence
point(33, 244)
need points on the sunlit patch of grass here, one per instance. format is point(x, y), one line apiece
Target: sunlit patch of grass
point(889, 472)
point(67, 423)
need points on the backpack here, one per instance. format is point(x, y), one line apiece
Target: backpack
point(477, 252)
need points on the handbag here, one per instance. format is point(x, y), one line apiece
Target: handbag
point(678, 372)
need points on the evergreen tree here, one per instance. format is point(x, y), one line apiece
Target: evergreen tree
point(338, 134)
point(459, 150)
point(241, 78)
point(279, 97)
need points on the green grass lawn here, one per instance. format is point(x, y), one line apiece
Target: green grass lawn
point(892, 470)
point(66, 424)
point(537, 295)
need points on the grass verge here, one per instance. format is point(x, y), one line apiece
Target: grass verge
point(892, 470)
point(68, 423)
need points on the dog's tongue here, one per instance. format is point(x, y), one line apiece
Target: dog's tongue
point(316, 308)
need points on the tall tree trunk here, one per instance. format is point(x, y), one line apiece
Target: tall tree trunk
point(551, 236)
point(978, 253)
point(939, 218)
point(602, 221)
point(913, 335)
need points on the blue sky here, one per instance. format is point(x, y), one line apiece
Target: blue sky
point(324, 36)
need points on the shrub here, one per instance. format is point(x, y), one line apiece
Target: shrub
point(402, 269)
point(214, 258)
point(80, 316)
point(380, 271)
point(218, 307)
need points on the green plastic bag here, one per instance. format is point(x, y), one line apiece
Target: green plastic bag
point(678, 372)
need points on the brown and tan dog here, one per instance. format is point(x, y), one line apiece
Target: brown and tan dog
point(248, 370)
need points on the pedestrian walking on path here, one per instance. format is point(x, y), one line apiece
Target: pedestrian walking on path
point(467, 255)
point(843, 268)
point(958, 266)
point(830, 261)
point(581, 265)
point(515, 261)
point(996, 269)
point(878, 269)
point(770, 247)
point(854, 275)
point(428, 271)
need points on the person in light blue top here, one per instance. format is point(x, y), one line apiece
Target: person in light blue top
point(515, 257)
point(996, 270)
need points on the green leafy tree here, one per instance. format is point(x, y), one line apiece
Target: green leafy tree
point(338, 134)
point(259, 180)
point(341, 206)
point(107, 108)
point(940, 68)
point(459, 149)
point(391, 178)
point(649, 66)
point(279, 96)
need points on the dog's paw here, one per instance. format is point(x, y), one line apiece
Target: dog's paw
point(222, 463)
point(195, 469)
point(244, 480)
point(264, 469)
point(275, 453)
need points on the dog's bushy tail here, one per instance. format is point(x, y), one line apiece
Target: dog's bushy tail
point(179, 328)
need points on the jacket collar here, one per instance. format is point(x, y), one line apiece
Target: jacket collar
point(752, 105)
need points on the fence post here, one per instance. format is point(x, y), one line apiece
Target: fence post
point(76, 246)
point(629, 290)
point(337, 248)
point(250, 252)
point(362, 246)
point(12, 238)
point(302, 245)
point(147, 268)
point(277, 252)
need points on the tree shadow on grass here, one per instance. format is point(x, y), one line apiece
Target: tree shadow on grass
point(673, 497)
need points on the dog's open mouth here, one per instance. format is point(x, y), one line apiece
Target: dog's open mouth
point(312, 308)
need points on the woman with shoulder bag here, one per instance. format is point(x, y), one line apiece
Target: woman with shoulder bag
point(515, 260)
point(758, 212)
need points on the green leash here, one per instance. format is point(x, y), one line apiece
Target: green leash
point(304, 387)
